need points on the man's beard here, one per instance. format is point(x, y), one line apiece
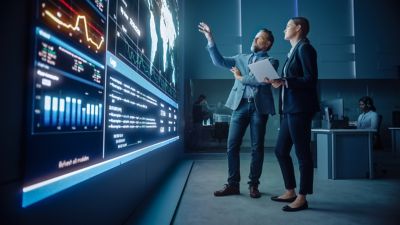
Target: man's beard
point(254, 48)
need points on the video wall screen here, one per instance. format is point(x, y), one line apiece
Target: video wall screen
point(102, 88)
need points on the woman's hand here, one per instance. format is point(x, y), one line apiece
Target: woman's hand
point(236, 73)
point(275, 83)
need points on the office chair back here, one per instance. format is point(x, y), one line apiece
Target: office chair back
point(377, 144)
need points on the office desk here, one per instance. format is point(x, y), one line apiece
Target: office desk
point(395, 139)
point(344, 153)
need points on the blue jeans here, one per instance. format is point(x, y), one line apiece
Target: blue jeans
point(244, 115)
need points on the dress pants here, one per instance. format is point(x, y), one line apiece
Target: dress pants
point(296, 130)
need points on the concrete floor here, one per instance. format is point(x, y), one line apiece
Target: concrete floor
point(344, 202)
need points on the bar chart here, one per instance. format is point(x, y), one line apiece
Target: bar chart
point(69, 113)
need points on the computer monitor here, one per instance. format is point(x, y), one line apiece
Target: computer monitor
point(335, 108)
point(333, 114)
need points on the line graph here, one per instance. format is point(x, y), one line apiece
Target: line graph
point(76, 13)
point(76, 27)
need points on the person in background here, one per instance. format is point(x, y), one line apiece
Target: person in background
point(201, 110)
point(200, 113)
point(251, 102)
point(298, 104)
point(368, 119)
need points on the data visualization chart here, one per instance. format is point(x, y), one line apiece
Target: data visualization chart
point(81, 21)
point(138, 113)
point(67, 89)
point(102, 89)
point(69, 66)
point(144, 36)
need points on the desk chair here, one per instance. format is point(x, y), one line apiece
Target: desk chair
point(377, 142)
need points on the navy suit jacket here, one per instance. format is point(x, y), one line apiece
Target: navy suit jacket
point(262, 96)
point(302, 76)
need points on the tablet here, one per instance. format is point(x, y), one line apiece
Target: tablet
point(263, 69)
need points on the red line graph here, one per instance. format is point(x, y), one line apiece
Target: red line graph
point(76, 13)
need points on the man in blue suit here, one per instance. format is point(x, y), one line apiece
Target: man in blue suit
point(251, 103)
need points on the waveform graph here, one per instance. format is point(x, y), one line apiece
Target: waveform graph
point(75, 21)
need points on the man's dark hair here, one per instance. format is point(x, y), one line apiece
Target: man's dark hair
point(270, 37)
point(303, 22)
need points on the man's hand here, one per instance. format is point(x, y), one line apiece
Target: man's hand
point(236, 73)
point(275, 83)
point(205, 29)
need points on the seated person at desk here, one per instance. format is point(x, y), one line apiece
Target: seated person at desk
point(368, 119)
point(201, 111)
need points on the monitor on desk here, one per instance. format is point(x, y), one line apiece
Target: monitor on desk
point(335, 107)
point(333, 116)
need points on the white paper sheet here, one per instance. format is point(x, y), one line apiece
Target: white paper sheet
point(263, 69)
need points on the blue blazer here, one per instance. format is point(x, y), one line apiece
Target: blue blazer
point(263, 98)
point(302, 76)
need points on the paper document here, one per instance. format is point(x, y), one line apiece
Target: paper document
point(263, 69)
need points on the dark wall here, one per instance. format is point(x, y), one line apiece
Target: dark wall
point(271, 14)
point(108, 198)
point(332, 33)
point(13, 45)
point(377, 39)
point(223, 18)
point(354, 39)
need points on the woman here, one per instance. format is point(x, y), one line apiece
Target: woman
point(298, 104)
point(368, 119)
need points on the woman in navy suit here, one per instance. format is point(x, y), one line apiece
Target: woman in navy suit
point(298, 104)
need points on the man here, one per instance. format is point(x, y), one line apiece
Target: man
point(251, 103)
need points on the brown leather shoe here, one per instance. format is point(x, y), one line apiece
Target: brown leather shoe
point(227, 190)
point(254, 192)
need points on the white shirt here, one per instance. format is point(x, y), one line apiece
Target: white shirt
point(285, 72)
point(368, 120)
